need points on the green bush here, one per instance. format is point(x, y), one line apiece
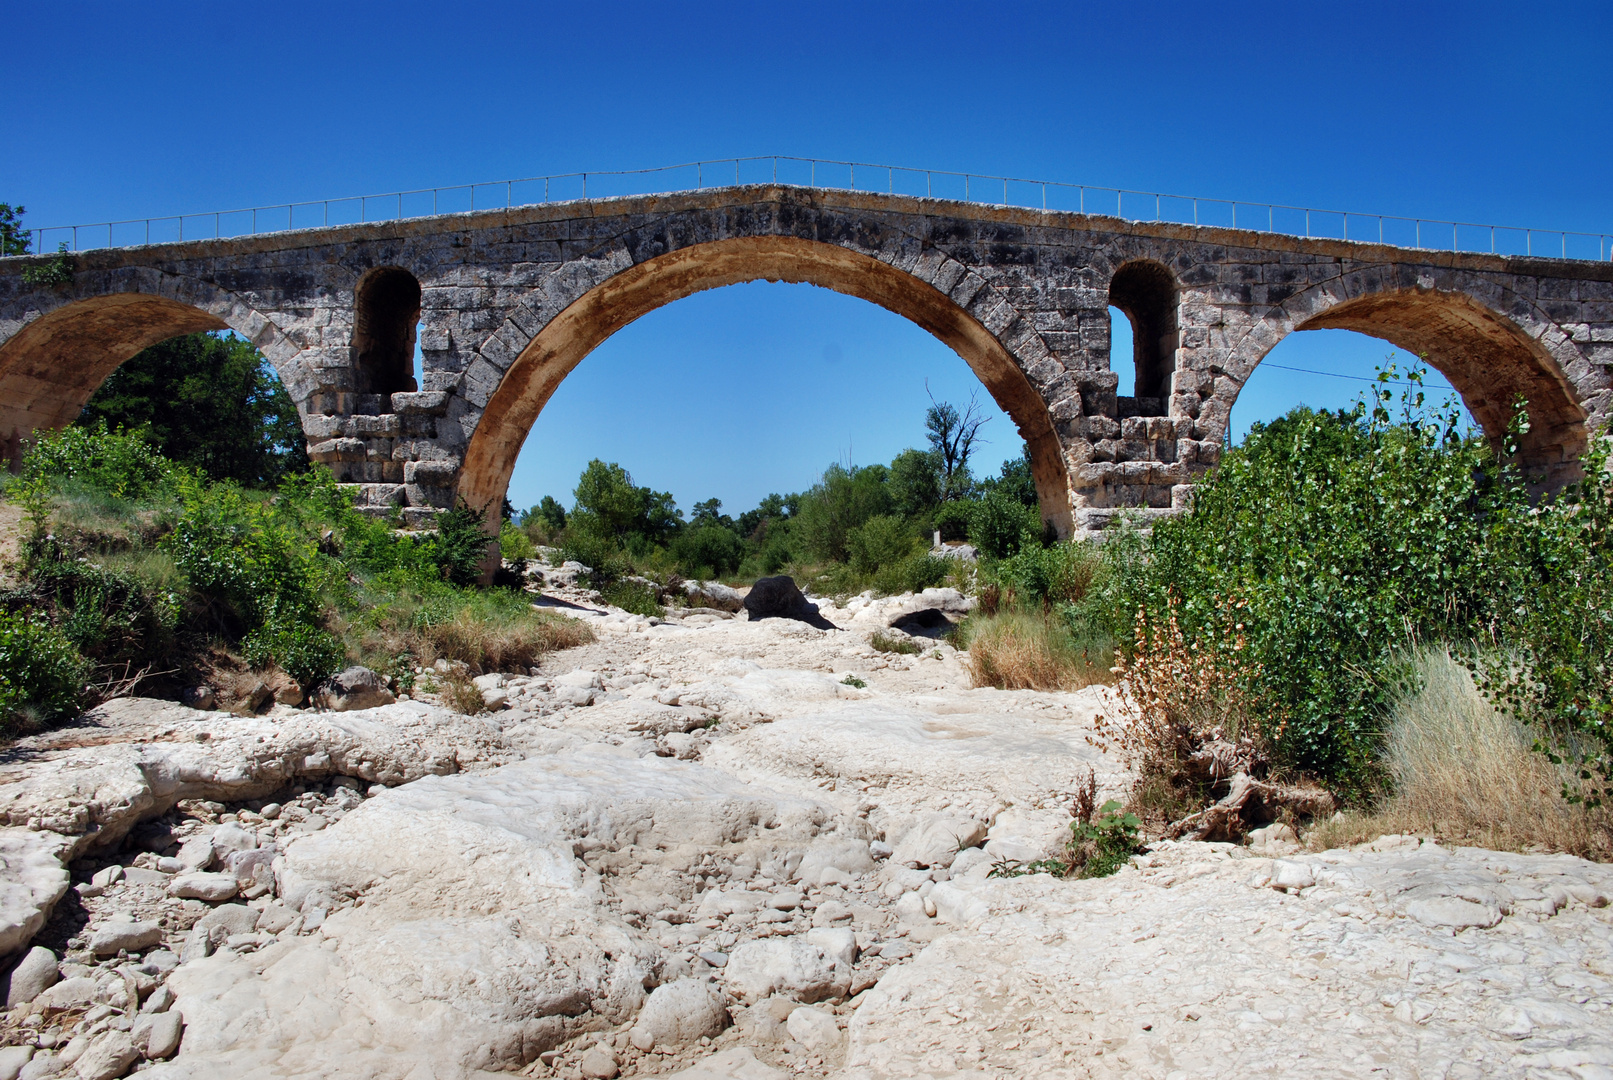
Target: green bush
point(1000, 525)
point(243, 556)
point(913, 574)
point(111, 616)
point(116, 463)
point(953, 519)
point(883, 540)
point(841, 501)
point(1059, 574)
point(707, 551)
point(307, 653)
point(514, 544)
point(634, 597)
point(1553, 667)
point(41, 674)
point(1330, 543)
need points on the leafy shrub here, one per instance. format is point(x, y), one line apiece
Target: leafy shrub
point(116, 463)
point(1553, 668)
point(111, 616)
point(307, 653)
point(634, 597)
point(707, 551)
point(515, 545)
point(841, 501)
point(1407, 511)
point(913, 574)
point(883, 540)
point(459, 544)
point(953, 519)
point(242, 555)
point(602, 556)
point(1101, 846)
point(1060, 574)
point(1000, 525)
point(41, 674)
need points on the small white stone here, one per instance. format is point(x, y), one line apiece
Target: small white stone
point(814, 1029)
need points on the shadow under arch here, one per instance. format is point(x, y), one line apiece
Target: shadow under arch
point(52, 366)
point(1488, 358)
point(571, 335)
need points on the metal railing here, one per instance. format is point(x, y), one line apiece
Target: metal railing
point(1124, 203)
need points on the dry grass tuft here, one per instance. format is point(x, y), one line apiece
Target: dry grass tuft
point(1465, 772)
point(500, 645)
point(1015, 650)
point(457, 692)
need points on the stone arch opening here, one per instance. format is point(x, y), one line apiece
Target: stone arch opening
point(1490, 360)
point(51, 367)
point(576, 331)
point(1145, 291)
point(386, 313)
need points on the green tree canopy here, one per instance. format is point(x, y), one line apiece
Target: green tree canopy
point(207, 400)
point(610, 505)
point(14, 239)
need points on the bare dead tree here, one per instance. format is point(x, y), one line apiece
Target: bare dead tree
point(952, 436)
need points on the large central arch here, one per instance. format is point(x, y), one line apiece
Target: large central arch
point(583, 325)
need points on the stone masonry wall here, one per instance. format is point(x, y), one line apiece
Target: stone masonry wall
point(499, 289)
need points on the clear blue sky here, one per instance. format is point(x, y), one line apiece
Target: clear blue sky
point(1478, 111)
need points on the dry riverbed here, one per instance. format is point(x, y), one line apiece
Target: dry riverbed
point(699, 847)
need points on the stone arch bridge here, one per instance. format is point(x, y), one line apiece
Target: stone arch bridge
point(504, 303)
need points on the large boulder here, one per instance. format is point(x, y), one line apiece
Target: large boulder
point(679, 1012)
point(713, 594)
point(356, 688)
point(800, 969)
point(779, 598)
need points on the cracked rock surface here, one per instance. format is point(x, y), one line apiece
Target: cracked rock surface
point(697, 847)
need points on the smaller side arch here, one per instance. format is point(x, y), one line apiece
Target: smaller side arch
point(386, 313)
point(1146, 292)
point(51, 367)
point(1489, 358)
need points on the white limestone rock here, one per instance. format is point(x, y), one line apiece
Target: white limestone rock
point(32, 879)
point(481, 934)
point(679, 1012)
point(35, 973)
point(150, 754)
point(791, 966)
point(814, 1029)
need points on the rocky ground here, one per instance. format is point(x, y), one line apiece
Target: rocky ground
point(720, 848)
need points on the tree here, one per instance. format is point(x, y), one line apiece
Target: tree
point(611, 506)
point(915, 482)
point(843, 500)
point(208, 400)
point(14, 239)
point(550, 512)
point(952, 436)
point(1015, 480)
